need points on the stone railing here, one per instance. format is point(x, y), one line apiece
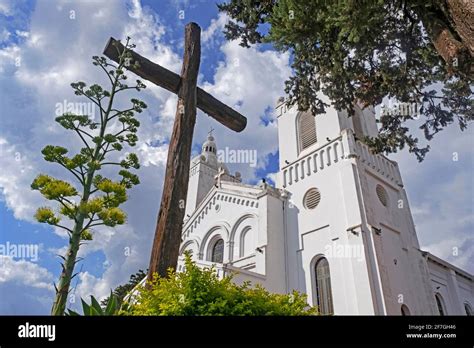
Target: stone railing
point(378, 163)
point(343, 147)
point(313, 162)
point(220, 268)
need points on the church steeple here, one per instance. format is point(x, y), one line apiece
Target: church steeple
point(209, 150)
point(201, 174)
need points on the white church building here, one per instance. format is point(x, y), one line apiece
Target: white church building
point(336, 227)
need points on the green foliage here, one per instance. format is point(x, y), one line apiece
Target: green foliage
point(112, 216)
point(94, 308)
point(128, 179)
point(68, 121)
point(122, 290)
point(362, 51)
point(131, 161)
point(86, 235)
point(91, 200)
point(53, 189)
point(46, 215)
point(199, 292)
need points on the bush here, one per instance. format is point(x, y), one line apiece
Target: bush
point(199, 291)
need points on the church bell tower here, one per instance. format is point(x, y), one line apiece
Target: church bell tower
point(202, 170)
point(202, 174)
point(351, 236)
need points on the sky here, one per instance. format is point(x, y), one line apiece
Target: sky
point(46, 45)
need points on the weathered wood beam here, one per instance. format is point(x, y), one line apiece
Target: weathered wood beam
point(162, 77)
point(167, 239)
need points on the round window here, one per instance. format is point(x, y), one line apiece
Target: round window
point(382, 194)
point(312, 198)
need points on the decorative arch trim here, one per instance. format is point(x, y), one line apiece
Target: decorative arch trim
point(218, 230)
point(239, 221)
point(243, 234)
point(187, 243)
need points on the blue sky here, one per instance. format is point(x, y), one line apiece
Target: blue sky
point(43, 50)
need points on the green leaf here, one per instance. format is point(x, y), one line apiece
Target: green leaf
point(70, 312)
point(112, 305)
point(96, 306)
point(85, 307)
point(95, 312)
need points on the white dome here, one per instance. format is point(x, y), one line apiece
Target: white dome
point(209, 145)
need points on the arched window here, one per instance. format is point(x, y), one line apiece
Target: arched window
point(468, 309)
point(246, 243)
point(440, 304)
point(405, 310)
point(217, 254)
point(306, 127)
point(323, 287)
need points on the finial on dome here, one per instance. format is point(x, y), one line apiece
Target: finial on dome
point(209, 136)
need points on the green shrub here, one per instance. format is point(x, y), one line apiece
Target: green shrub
point(199, 291)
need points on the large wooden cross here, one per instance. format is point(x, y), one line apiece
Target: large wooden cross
point(165, 250)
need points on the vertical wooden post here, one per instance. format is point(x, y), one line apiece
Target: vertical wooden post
point(167, 239)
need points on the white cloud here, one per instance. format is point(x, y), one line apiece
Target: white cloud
point(251, 81)
point(21, 33)
point(215, 28)
point(4, 35)
point(6, 7)
point(25, 288)
point(152, 156)
point(8, 57)
point(272, 177)
point(15, 179)
point(24, 272)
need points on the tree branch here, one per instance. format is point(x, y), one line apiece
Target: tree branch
point(64, 227)
point(72, 171)
point(78, 131)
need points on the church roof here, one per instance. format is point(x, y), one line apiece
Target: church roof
point(251, 192)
